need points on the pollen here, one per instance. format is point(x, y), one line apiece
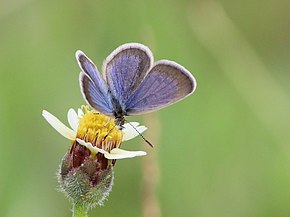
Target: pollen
point(100, 130)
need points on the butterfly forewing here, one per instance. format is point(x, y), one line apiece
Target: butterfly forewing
point(93, 97)
point(166, 83)
point(93, 87)
point(125, 68)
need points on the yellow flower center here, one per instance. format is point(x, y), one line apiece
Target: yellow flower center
point(100, 130)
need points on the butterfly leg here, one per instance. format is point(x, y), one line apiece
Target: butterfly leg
point(108, 133)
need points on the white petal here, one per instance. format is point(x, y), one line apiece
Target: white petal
point(135, 124)
point(118, 153)
point(130, 132)
point(80, 113)
point(59, 126)
point(141, 129)
point(73, 119)
point(89, 146)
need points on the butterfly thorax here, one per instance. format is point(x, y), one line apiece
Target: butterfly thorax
point(118, 112)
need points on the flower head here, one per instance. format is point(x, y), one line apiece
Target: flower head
point(86, 172)
point(97, 132)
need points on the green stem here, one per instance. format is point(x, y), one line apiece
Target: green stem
point(79, 210)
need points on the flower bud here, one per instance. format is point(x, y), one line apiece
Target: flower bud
point(85, 178)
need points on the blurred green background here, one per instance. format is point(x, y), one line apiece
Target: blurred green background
point(224, 151)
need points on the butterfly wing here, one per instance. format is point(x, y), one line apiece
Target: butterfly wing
point(125, 68)
point(166, 83)
point(93, 87)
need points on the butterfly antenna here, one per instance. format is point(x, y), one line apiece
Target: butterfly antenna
point(149, 143)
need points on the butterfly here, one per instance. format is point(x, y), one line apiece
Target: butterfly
point(132, 83)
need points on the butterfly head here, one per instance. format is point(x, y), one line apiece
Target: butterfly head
point(119, 120)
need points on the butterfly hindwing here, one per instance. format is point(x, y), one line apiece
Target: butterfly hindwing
point(166, 83)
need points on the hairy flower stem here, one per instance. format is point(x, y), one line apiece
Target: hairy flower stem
point(79, 210)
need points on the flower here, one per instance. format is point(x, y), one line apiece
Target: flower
point(86, 172)
point(97, 132)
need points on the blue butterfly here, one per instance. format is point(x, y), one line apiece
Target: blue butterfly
point(132, 84)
